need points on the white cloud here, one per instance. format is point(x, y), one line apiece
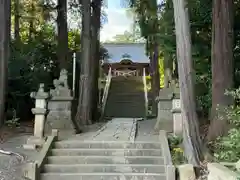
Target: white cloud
point(118, 22)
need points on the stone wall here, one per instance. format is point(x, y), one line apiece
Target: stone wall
point(165, 117)
point(220, 172)
point(169, 110)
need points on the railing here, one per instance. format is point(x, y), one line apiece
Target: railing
point(169, 167)
point(31, 170)
point(106, 89)
point(125, 73)
point(145, 91)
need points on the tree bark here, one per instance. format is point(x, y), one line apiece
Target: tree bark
point(96, 22)
point(84, 102)
point(17, 21)
point(155, 79)
point(62, 51)
point(5, 22)
point(191, 135)
point(222, 64)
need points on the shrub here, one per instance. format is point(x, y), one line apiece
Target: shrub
point(176, 149)
point(227, 148)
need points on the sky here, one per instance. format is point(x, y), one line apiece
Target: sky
point(117, 20)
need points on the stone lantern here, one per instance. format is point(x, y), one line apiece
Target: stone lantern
point(164, 118)
point(40, 112)
point(177, 114)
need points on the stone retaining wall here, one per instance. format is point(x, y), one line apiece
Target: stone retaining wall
point(220, 172)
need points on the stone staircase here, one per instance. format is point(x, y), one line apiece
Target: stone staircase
point(125, 98)
point(105, 160)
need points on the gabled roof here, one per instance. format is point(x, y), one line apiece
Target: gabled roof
point(133, 51)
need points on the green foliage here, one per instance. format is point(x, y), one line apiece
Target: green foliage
point(126, 37)
point(161, 71)
point(14, 122)
point(203, 90)
point(174, 141)
point(33, 62)
point(178, 156)
point(176, 149)
point(74, 40)
point(163, 31)
point(227, 148)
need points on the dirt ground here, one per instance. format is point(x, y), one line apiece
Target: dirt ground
point(7, 132)
point(12, 140)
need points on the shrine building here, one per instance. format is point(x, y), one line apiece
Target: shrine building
point(126, 59)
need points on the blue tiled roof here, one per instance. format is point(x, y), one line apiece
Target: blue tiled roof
point(133, 51)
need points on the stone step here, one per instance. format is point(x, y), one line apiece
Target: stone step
point(101, 168)
point(110, 116)
point(130, 81)
point(133, 113)
point(106, 152)
point(119, 108)
point(126, 96)
point(124, 79)
point(125, 113)
point(126, 110)
point(137, 99)
point(132, 85)
point(103, 176)
point(106, 144)
point(130, 100)
point(121, 92)
point(125, 104)
point(127, 86)
point(127, 78)
point(105, 160)
point(124, 107)
point(132, 95)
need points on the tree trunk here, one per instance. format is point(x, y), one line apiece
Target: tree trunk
point(222, 64)
point(155, 79)
point(96, 22)
point(84, 102)
point(191, 135)
point(5, 22)
point(62, 51)
point(17, 21)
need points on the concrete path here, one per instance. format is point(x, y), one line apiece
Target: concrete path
point(118, 129)
point(121, 129)
point(146, 132)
